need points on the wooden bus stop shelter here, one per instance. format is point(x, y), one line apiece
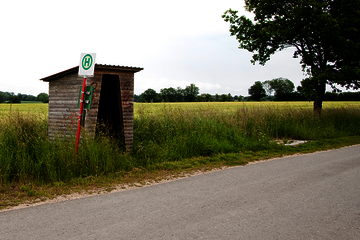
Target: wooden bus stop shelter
point(112, 102)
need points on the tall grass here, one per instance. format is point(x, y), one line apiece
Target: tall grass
point(168, 134)
point(173, 133)
point(26, 154)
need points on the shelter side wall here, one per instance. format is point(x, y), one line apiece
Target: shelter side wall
point(92, 114)
point(127, 97)
point(63, 106)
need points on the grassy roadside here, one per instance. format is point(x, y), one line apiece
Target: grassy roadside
point(15, 193)
point(170, 140)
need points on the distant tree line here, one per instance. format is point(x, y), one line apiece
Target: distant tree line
point(189, 94)
point(279, 89)
point(282, 89)
point(10, 97)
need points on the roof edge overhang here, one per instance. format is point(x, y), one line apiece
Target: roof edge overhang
point(97, 67)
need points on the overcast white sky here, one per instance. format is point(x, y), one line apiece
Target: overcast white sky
point(176, 42)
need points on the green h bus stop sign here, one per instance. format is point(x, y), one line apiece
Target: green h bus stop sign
point(87, 64)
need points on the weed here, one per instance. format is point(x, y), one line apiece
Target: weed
point(109, 189)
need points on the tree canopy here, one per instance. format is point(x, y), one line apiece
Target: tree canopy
point(171, 94)
point(324, 33)
point(190, 93)
point(43, 97)
point(12, 98)
point(150, 95)
point(257, 91)
point(281, 86)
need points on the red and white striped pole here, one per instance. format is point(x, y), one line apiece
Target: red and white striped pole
point(86, 68)
point(80, 116)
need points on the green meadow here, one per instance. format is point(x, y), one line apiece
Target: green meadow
point(24, 108)
point(42, 108)
point(234, 106)
point(170, 132)
point(169, 138)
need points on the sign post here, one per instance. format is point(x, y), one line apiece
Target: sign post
point(86, 68)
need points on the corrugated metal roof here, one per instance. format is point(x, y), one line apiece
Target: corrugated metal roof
point(97, 66)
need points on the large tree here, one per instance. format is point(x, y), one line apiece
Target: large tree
point(324, 33)
point(190, 93)
point(43, 97)
point(169, 94)
point(257, 91)
point(150, 95)
point(281, 86)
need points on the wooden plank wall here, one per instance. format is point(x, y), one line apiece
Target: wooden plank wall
point(91, 115)
point(127, 99)
point(64, 111)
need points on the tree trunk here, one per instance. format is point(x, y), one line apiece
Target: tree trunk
point(320, 92)
point(317, 107)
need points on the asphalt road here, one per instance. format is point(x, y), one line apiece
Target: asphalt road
point(315, 196)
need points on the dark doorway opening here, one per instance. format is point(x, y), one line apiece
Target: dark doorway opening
point(110, 120)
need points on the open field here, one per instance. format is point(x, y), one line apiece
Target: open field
point(42, 108)
point(169, 139)
point(234, 106)
point(38, 108)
